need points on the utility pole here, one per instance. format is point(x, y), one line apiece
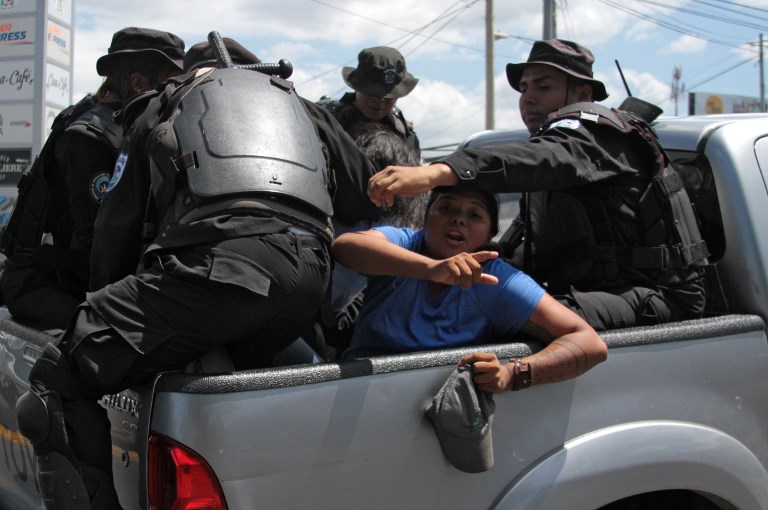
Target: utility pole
point(550, 26)
point(762, 79)
point(677, 87)
point(489, 103)
point(549, 32)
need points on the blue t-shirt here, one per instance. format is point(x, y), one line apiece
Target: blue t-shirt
point(400, 315)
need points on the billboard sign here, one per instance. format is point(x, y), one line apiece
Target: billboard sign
point(703, 103)
point(16, 124)
point(50, 116)
point(13, 162)
point(16, 80)
point(17, 6)
point(59, 44)
point(60, 9)
point(17, 37)
point(57, 85)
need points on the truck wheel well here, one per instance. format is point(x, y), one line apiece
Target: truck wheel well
point(670, 500)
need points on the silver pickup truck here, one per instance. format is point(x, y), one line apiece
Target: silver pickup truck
point(677, 418)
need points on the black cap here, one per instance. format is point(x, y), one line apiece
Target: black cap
point(566, 56)
point(201, 54)
point(380, 72)
point(491, 203)
point(142, 40)
point(462, 416)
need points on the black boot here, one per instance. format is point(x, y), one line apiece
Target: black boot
point(65, 482)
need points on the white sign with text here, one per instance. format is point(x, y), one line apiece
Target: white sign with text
point(59, 44)
point(17, 37)
point(17, 6)
point(16, 124)
point(58, 88)
point(61, 10)
point(16, 78)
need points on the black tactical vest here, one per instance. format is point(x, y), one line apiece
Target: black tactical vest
point(661, 242)
point(38, 210)
point(243, 141)
point(351, 118)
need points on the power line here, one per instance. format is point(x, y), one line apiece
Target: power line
point(706, 68)
point(743, 6)
point(722, 73)
point(412, 33)
point(440, 17)
point(680, 22)
point(425, 41)
point(398, 28)
point(661, 23)
point(706, 15)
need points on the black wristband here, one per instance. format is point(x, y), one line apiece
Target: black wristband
point(521, 375)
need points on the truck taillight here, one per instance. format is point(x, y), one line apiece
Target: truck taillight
point(179, 479)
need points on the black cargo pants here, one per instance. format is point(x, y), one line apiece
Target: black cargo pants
point(264, 289)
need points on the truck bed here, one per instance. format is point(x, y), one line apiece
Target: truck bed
point(354, 433)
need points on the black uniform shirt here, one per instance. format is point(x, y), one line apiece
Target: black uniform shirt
point(121, 220)
point(85, 162)
point(583, 183)
point(349, 116)
point(558, 158)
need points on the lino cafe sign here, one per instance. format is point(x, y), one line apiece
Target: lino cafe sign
point(16, 79)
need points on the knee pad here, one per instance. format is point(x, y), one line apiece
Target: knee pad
point(39, 412)
point(65, 483)
point(52, 372)
point(32, 417)
point(40, 418)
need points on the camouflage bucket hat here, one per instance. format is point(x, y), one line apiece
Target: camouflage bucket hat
point(380, 72)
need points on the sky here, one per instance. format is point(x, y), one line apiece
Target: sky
point(713, 45)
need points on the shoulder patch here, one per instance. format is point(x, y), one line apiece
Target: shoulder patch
point(566, 124)
point(117, 173)
point(99, 185)
point(333, 105)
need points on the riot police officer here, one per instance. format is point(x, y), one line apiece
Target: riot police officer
point(378, 81)
point(225, 175)
point(609, 228)
point(45, 282)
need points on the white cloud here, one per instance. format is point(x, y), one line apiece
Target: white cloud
point(449, 102)
point(686, 44)
point(443, 113)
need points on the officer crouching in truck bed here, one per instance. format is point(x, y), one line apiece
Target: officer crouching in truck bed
point(227, 168)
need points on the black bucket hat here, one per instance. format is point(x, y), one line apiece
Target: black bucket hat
point(146, 40)
point(380, 72)
point(201, 54)
point(566, 56)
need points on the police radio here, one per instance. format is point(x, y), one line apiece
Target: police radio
point(643, 110)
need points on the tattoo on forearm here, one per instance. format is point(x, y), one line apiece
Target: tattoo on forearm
point(582, 360)
point(562, 359)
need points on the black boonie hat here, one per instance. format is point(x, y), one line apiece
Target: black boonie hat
point(567, 56)
point(380, 72)
point(201, 54)
point(136, 40)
